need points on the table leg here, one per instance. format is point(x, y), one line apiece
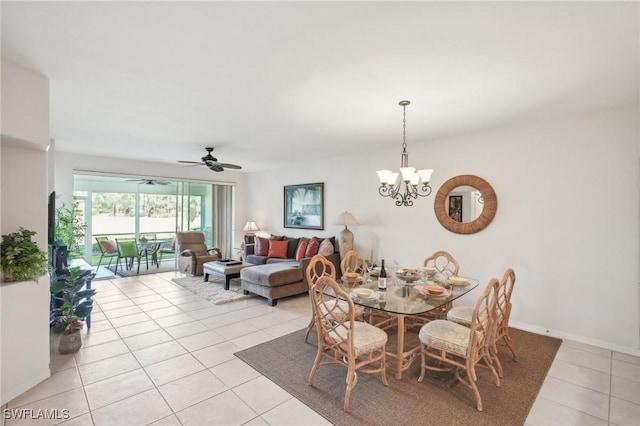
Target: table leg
point(400, 348)
point(227, 281)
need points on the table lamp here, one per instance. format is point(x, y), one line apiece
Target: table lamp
point(250, 228)
point(346, 237)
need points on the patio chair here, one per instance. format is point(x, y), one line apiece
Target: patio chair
point(128, 250)
point(108, 249)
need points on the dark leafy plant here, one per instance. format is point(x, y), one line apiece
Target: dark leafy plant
point(70, 229)
point(20, 257)
point(72, 302)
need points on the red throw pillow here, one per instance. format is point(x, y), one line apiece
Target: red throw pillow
point(302, 249)
point(109, 246)
point(312, 247)
point(278, 248)
point(262, 246)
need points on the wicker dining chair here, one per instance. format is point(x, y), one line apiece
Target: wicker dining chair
point(447, 267)
point(353, 262)
point(318, 267)
point(444, 262)
point(462, 315)
point(345, 342)
point(461, 349)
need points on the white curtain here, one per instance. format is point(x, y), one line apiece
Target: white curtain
point(223, 219)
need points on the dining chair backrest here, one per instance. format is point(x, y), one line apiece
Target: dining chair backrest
point(483, 321)
point(353, 262)
point(334, 318)
point(444, 263)
point(127, 248)
point(503, 305)
point(318, 267)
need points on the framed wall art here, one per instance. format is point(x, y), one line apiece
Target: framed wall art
point(304, 206)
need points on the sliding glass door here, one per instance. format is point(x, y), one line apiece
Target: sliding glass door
point(118, 207)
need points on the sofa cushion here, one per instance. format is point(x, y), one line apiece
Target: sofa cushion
point(312, 247)
point(262, 246)
point(332, 240)
point(326, 248)
point(301, 250)
point(278, 249)
point(293, 245)
point(255, 259)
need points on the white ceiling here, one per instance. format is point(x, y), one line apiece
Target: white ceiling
point(264, 82)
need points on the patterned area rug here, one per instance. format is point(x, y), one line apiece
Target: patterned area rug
point(213, 289)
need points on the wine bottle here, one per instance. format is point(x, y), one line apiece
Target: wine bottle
point(382, 278)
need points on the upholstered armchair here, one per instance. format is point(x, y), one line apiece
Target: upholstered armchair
point(194, 252)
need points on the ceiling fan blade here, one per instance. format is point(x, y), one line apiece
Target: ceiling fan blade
point(190, 162)
point(230, 166)
point(216, 167)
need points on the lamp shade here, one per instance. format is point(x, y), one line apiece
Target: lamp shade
point(346, 218)
point(250, 226)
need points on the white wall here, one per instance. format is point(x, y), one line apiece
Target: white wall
point(24, 306)
point(66, 163)
point(567, 218)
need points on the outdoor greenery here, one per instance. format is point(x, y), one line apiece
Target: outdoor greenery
point(21, 258)
point(72, 302)
point(70, 229)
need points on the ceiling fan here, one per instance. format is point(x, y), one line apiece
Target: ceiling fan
point(211, 162)
point(149, 181)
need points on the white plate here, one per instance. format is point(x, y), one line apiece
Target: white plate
point(376, 296)
point(458, 283)
point(423, 291)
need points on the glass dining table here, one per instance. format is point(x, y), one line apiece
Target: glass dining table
point(391, 308)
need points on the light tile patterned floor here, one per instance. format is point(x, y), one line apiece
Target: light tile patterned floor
point(157, 355)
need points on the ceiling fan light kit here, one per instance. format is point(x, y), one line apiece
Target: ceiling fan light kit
point(211, 162)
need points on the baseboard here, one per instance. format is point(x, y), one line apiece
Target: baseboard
point(575, 338)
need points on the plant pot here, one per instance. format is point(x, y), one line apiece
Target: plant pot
point(70, 342)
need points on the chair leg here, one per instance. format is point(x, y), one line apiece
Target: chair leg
point(316, 365)
point(312, 323)
point(352, 379)
point(99, 262)
point(507, 340)
point(138, 271)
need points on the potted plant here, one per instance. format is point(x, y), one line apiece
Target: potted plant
point(70, 229)
point(20, 257)
point(72, 303)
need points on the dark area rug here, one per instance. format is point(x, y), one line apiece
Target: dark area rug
point(439, 399)
point(153, 269)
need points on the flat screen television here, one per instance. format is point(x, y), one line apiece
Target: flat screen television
point(51, 219)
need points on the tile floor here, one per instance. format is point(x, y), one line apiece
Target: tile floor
point(158, 355)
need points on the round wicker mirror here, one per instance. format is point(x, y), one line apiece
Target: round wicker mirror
point(488, 199)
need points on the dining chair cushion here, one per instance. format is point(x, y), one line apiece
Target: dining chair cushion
point(446, 335)
point(366, 337)
point(461, 315)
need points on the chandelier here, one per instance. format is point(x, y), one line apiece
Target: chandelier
point(416, 182)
